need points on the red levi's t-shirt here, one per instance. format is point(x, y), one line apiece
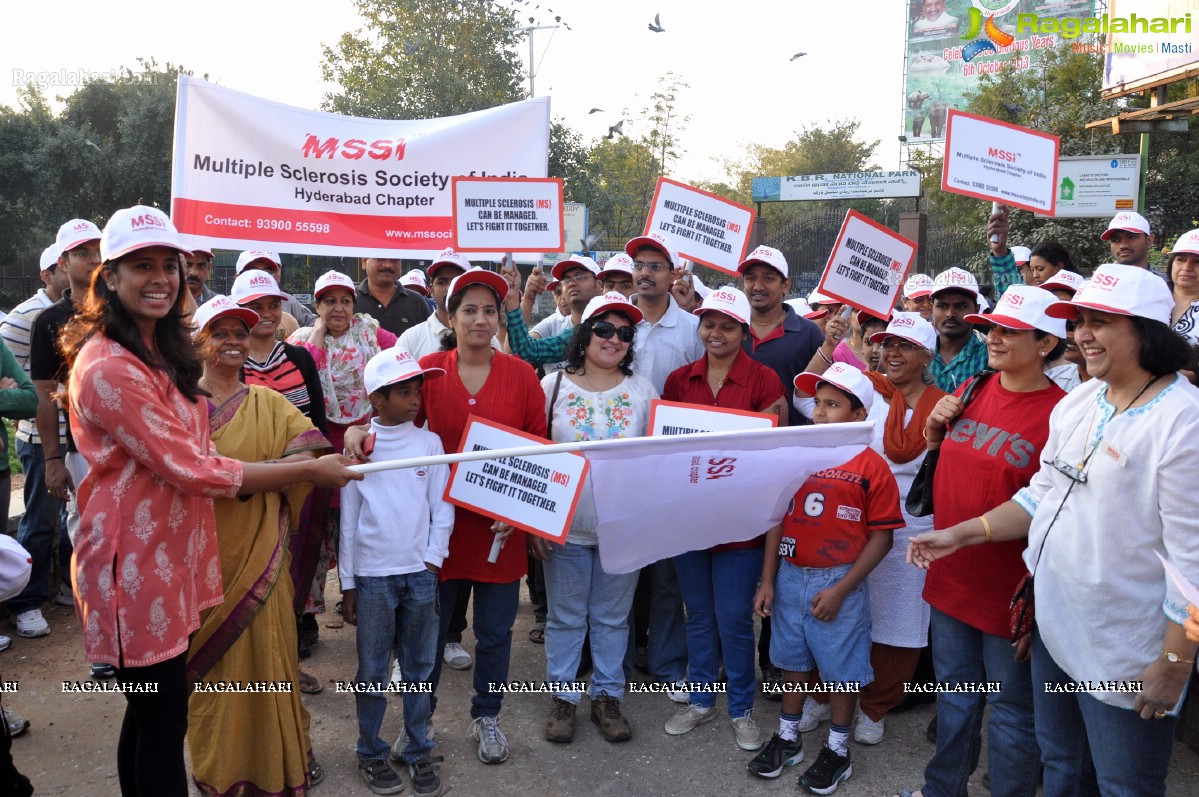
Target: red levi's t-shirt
point(832, 515)
point(991, 451)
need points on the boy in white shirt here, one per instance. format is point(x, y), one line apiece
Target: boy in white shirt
point(395, 533)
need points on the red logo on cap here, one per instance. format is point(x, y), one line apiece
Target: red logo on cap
point(725, 296)
point(1013, 299)
point(147, 220)
point(1106, 280)
point(903, 322)
point(403, 356)
point(81, 226)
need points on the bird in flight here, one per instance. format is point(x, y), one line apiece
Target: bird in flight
point(616, 129)
point(798, 55)
point(656, 25)
point(595, 110)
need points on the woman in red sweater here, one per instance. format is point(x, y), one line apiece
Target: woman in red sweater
point(499, 387)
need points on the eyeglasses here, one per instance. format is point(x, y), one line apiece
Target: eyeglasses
point(1069, 471)
point(577, 275)
point(901, 344)
point(84, 254)
point(605, 330)
point(655, 267)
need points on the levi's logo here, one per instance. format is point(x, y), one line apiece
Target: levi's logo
point(353, 148)
point(1002, 154)
point(146, 220)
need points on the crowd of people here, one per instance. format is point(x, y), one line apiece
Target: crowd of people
point(188, 453)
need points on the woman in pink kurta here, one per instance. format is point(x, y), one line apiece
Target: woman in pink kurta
point(146, 559)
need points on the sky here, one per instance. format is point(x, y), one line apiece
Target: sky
point(735, 56)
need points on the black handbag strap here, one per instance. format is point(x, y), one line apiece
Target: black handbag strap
point(549, 413)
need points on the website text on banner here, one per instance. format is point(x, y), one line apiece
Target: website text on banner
point(507, 214)
point(717, 491)
point(538, 494)
point(706, 228)
point(867, 266)
point(1008, 164)
point(675, 417)
point(252, 173)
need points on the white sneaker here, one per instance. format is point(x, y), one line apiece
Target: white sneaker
point(747, 733)
point(31, 623)
point(813, 714)
point(679, 695)
point(867, 731)
point(397, 677)
point(493, 744)
point(456, 656)
point(64, 597)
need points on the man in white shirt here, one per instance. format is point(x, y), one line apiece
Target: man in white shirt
point(427, 337)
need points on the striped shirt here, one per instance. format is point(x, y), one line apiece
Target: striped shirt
point(16, 329)
point(282, 375)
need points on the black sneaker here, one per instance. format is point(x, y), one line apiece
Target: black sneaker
point(772, 680)
point(777, 753)
point(829, 772)
point(423, 773)
point(103, 672)
point(380, 777)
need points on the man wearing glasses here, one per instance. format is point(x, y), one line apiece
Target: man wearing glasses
point(270, 263)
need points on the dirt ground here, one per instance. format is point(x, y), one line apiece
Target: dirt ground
point(71, 747)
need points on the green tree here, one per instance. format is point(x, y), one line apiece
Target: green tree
point(420, 59)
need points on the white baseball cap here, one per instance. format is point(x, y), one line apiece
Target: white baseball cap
point(816, 297)
point(766, 255)
point(1064, 281)
point(330, 280)
point(1187, 242)
point(657, 241)
point(414, 280)
point(49, 257)
point(448, 257)
point(138, 227)
point(842, 376)
point(254, 284)
point(956, 279)
point(727, 300)
point(478, 276)
point(1023, 307)
point(612, 302)
point(574, 261)
point(75, 232)
point(1021, 254)
point(805, 310)
point(394, 365)
point(1128, 221)
point(911, 327)
point(250, 255)
point(918, 286)
point(1122, 290)
point(222, 307)
point(619, 263)
point(700, 288)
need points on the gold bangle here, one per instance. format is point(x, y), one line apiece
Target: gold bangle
point(927, 439)
point(986, 527)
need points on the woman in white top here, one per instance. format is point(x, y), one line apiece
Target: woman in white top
point(1115, 491)
point(1184, 280)
point(595, 397)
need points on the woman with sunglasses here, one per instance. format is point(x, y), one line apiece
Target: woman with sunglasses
point(595, 397)
point(1114, 488)
point(990, 446)
point(718, 584)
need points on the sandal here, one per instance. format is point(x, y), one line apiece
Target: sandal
point(537, 634)
point(316, 773)
point(309, 684)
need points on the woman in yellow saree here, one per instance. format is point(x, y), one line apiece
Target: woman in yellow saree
point(255, 741)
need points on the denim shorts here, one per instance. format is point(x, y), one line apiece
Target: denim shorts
point(800, 643)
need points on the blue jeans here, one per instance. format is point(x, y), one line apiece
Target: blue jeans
point(495, 612)
point(718, 592)
point(400, 611)
point(44, 517)
point(667, 642)
point(963, 654)
point(581, 596)
point(1093, 748)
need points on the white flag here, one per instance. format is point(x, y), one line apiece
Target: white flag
point(658, 496)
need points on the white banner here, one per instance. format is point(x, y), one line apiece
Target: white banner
point(507, 214)
point(250, 173)
point(538, 494)
point(704, 227)
point(867, 266)
point(837, 185)
point(675, 418)
point(1000, 162)
point(658, 497)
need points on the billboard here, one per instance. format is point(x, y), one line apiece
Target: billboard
point(952, 43)
point(838, 185)
point(1154, 45)
point(1097, 186)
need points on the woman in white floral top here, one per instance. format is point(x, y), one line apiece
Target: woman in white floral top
point(596, 397)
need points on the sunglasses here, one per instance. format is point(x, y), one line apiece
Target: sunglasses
point(606, 330)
